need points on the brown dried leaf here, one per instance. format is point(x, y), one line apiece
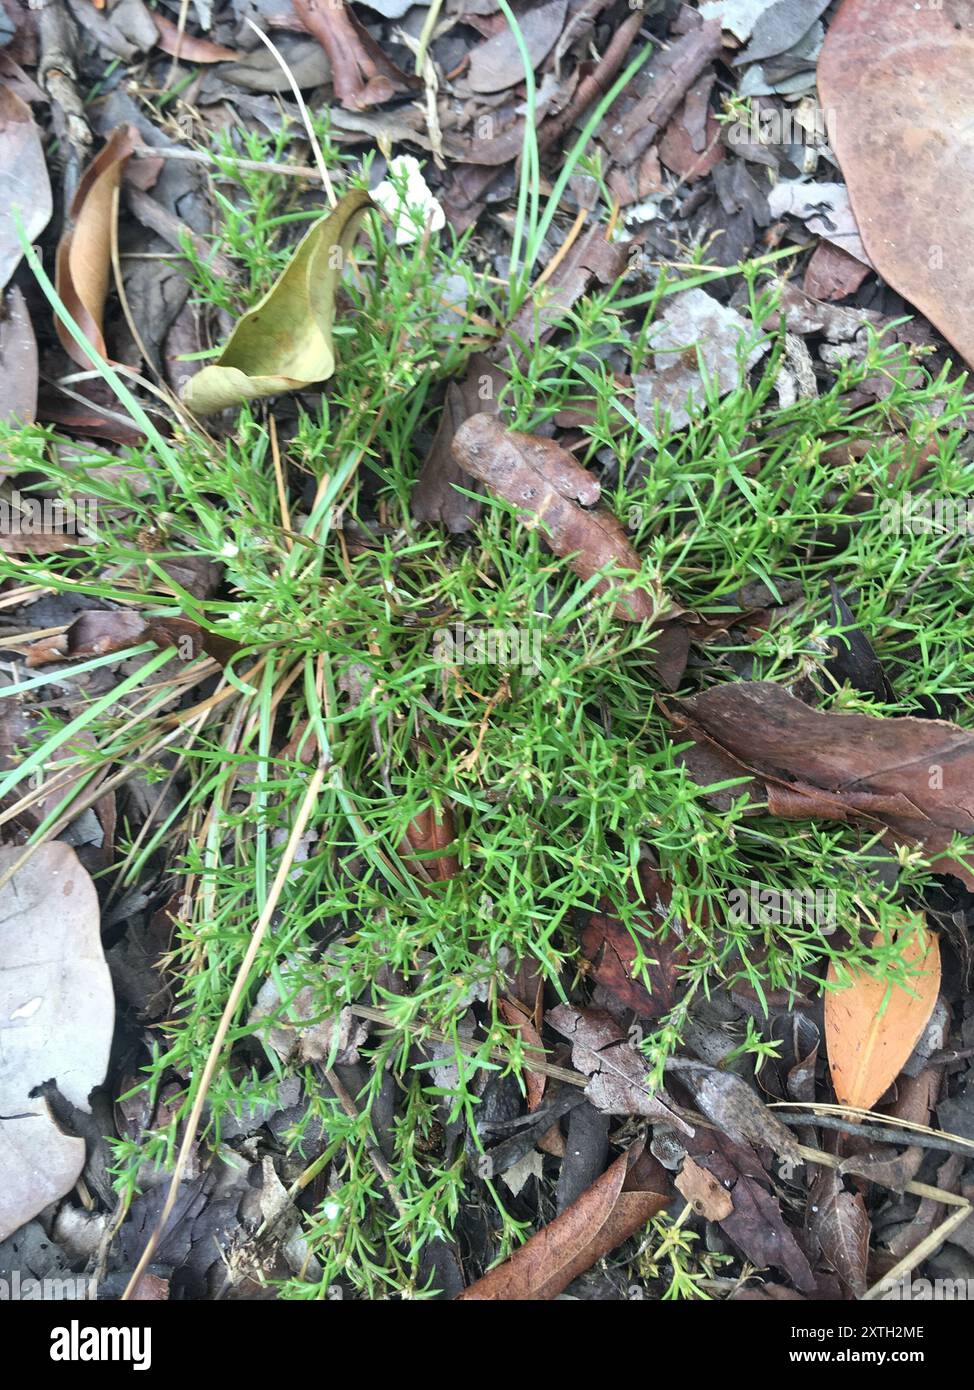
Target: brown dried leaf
point(839, 1223)
point(534, 1081)
point(894, 79)
point(629, 1193)
point(361, 73)
point(911, 775)
point(832, 273)
point(703, 1191)
point(429, 835)
point(84, 251)
point(497, 64)
point(93, 633)
point(871, 1027)
point(435, 497)
point(737, 1110)
point(24, 184)
point(538, 475)
point(609, 945)
point(189, 47)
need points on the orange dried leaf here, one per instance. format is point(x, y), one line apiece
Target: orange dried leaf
point(871, 1027)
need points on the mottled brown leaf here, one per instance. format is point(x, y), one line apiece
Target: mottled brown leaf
point(618, 1072)
point(536, 474)
point(838, 1222)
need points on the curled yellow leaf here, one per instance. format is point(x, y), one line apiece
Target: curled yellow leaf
point(285, 342)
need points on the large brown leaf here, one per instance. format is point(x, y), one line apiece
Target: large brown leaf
point(627, 1195)
point(912, 776)
point(871, 1027)
point(894, 78)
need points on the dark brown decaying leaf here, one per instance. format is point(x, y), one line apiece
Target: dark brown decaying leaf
point(911, 775)
point(84, 251)
point(24, 183)
point(18, 361)
point(361, 73)
point(629, 1193)
point(539, 476)
point(435, 497)
point(612, 950)
point(894, 80)
point(617, 1071)
point(838, 1222)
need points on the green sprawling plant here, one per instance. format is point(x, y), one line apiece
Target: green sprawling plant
point(559, 771)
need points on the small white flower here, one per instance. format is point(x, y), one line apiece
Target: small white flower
point(331, 1211)
point(411, 210)
point(229, 550)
